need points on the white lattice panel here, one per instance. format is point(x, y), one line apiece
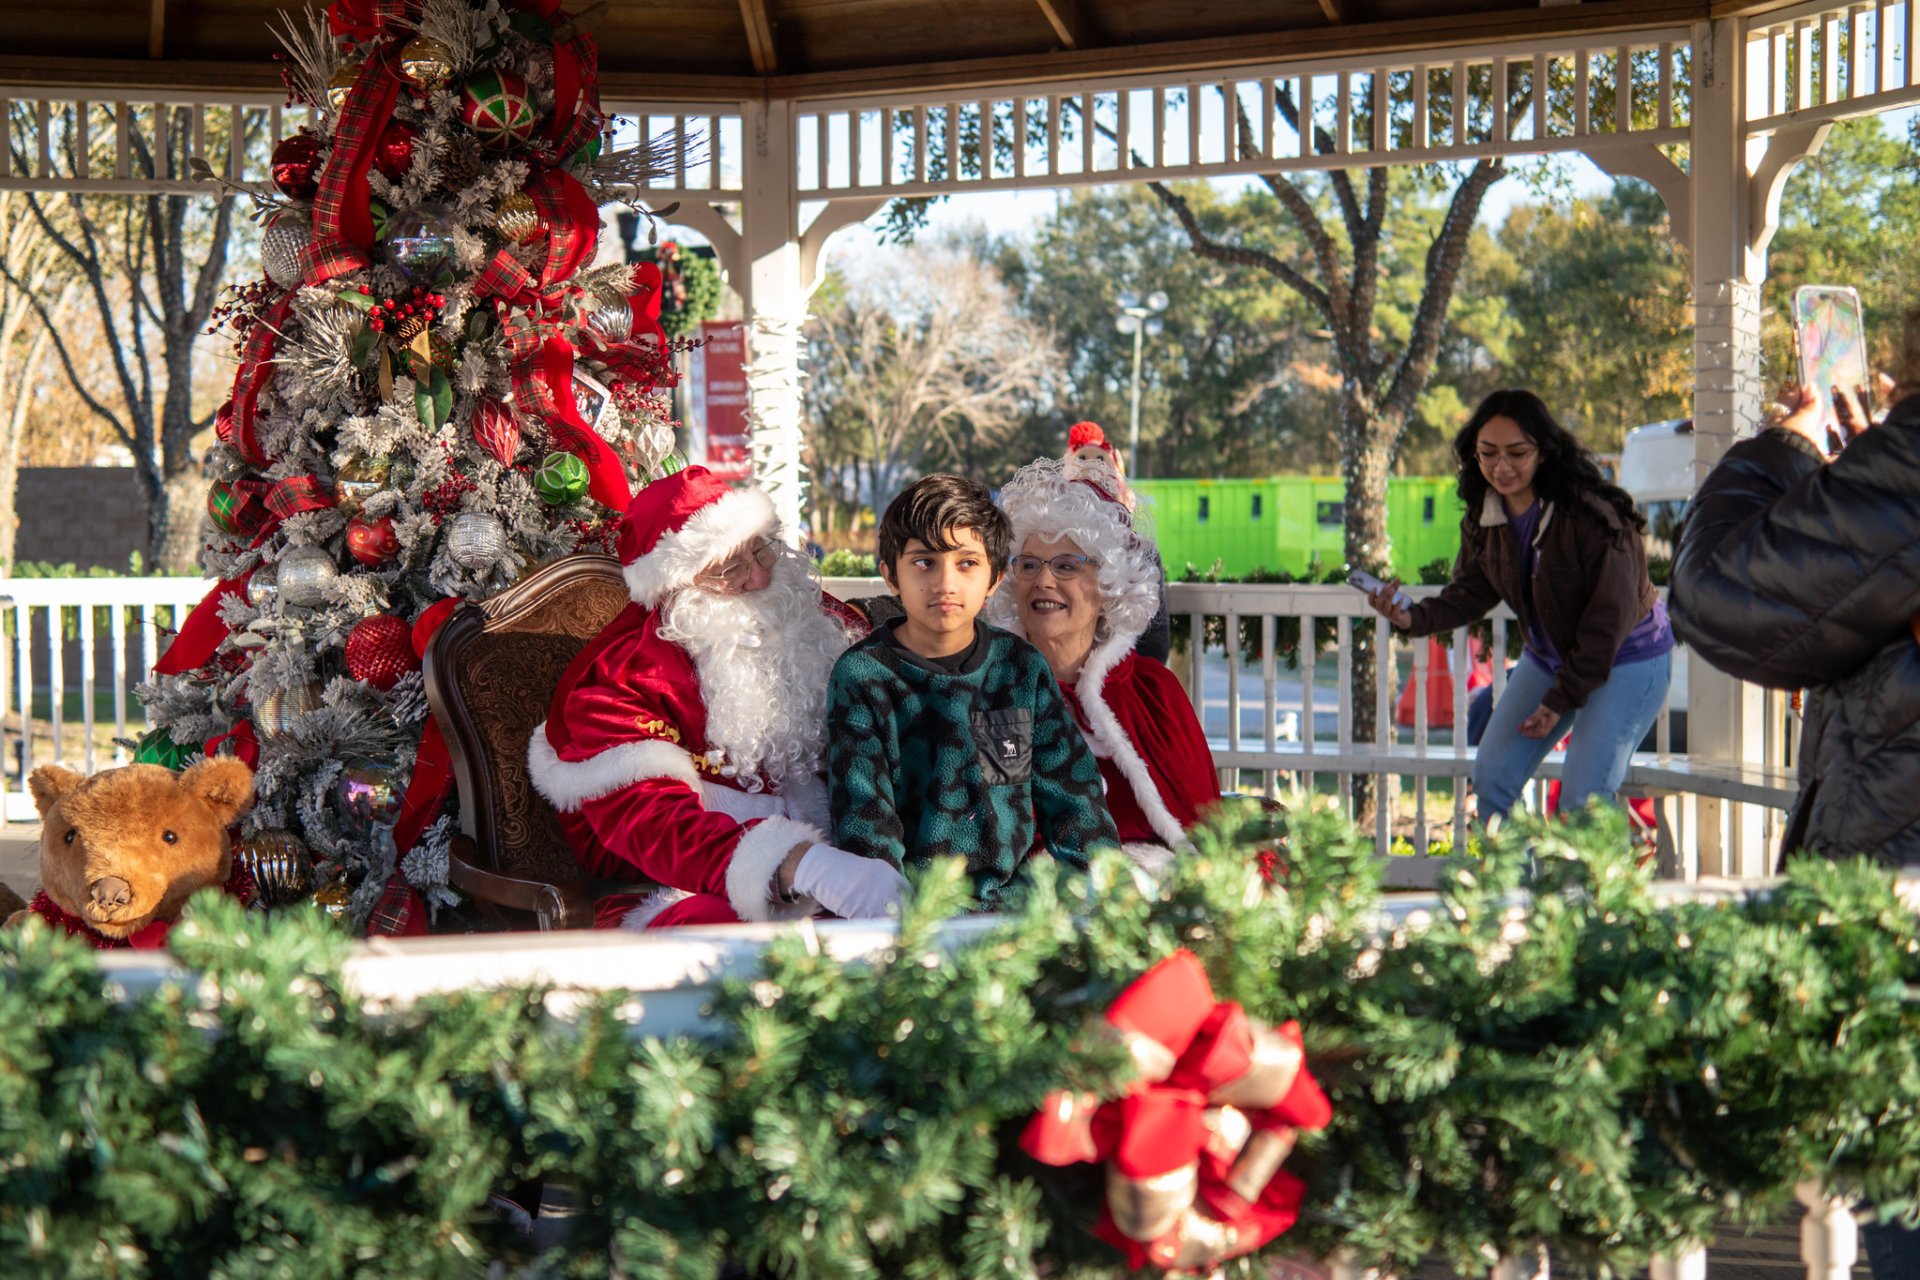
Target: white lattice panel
point(61, 142)
point(1820, 62)
point(1515, 99)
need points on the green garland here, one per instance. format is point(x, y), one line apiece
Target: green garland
point(1605, 1073)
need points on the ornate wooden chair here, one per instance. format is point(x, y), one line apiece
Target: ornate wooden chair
point(490, 673)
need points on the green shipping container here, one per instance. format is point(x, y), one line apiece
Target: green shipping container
point(1288, 522)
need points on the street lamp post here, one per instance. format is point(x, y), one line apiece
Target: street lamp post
point(1139, 320)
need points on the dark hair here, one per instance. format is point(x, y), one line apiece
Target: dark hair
point(931, 507)
point(1567, 470)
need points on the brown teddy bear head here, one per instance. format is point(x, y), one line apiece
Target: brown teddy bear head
point(129, 846)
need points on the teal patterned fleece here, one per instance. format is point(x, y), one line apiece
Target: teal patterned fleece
point(924, 763)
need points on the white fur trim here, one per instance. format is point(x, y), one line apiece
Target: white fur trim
point(1111, 741)
point(761, 850)
point(682, 554)
point(649, 908)
point(568, 784)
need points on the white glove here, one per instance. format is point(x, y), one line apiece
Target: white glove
point(850, 886)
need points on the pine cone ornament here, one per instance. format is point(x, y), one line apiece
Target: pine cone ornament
point(380, 651)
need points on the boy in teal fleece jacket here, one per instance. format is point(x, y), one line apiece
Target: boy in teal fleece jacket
point(947, 737)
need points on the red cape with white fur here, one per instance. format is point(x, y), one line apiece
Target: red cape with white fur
point(1147, 741)
point(623, 756)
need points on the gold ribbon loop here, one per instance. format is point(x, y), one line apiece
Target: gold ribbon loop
point(1262, 1157)
point(1276, 1061)
point(1147, 1208)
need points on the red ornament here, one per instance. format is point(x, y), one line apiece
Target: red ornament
point(296, 166)
point(380, 651)
point(393, 155)
point(372, 542)
point(496, 431)
point(223, 423)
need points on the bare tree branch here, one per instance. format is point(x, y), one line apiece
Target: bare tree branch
point(1233, 255)
point(1444, 256)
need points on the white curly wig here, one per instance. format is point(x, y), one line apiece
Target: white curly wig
point(1043, 501)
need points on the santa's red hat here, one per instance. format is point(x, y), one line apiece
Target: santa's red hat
point(678, 527)
point(1082, 434)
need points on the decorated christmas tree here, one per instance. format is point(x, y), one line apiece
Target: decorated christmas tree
point(436, 391)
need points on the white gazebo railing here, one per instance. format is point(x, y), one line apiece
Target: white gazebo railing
point(74, 650)
point(1281, 724)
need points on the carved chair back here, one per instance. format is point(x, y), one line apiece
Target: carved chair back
point(490, 673)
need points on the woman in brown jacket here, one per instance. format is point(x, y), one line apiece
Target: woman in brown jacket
point(1545, 533)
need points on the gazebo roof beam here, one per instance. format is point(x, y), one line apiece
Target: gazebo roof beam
point(760, 44)
point(1069, 22)
point(157, 29)
point(1098, 60)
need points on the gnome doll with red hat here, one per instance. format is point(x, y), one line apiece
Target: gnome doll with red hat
point(1090, 457)
point(684, 745)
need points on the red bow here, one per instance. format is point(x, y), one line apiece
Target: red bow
point(1195, 1145)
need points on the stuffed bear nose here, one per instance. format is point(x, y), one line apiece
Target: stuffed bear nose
point(110, 892)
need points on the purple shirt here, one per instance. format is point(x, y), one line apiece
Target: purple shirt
point(1650, 637)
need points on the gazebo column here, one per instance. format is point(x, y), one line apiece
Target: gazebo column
point(1736, 186)
point(767, 275)
point(775, 266)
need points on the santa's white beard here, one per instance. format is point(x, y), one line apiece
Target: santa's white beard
point(763, 659)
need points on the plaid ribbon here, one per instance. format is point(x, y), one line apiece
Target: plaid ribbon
point(256, 370)
point(341, 212)
point(576, 94)
point(573, 225)
point(291, 496)
point(505, 278)
point(400, 913)
point(542, 368)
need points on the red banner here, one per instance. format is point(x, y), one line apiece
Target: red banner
point(721, 383)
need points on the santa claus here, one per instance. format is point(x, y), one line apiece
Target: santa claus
point(684, 744)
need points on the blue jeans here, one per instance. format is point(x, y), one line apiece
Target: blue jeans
point(1613, 723)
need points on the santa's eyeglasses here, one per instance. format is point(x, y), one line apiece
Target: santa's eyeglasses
point(732, 576)
point(1026, 568)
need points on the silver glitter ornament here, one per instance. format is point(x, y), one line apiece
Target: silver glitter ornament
point(280, 864)
point(614, 322)
point(476, 540)
point(304, 574)
point(281, 245)
point(273, 715)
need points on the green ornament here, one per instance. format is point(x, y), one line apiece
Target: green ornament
point(223, 507)
point(158, 747)
point(496, 106)
point(670, 463)
point(589, 152)
point(562, 478)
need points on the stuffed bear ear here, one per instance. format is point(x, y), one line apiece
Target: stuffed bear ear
point(49, 783)
point(222, 783)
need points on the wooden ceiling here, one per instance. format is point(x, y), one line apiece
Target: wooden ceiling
point(734, 49)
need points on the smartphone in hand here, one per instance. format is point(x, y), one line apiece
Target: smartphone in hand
point(1830, 334)
point(1366, 582)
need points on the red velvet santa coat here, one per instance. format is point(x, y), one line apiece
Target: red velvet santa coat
point(623, 756)
point(1149, 744)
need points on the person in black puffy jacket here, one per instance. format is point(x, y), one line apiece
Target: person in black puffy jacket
point(1800, 570)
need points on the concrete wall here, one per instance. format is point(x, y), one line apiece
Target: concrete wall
point(87, 515)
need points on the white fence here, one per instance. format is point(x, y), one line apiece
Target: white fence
point(1282, 723)
point(73, 651)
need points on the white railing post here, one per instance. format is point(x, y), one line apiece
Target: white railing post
point(1688, 1265)
point(1829, 1237)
